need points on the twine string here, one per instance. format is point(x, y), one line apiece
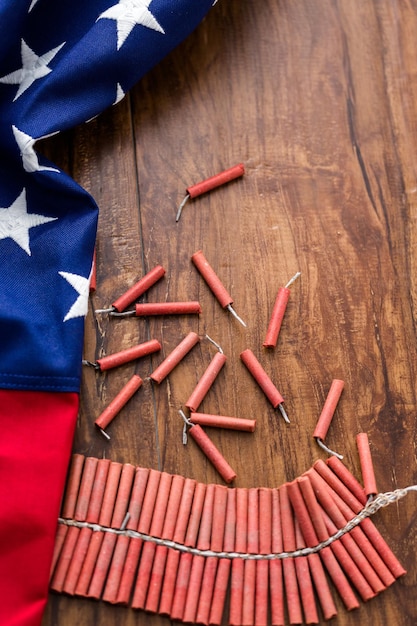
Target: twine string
point(379, 501)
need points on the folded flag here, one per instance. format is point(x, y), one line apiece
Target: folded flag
point(61, 64)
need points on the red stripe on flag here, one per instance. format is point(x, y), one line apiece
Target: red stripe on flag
point(36, 435)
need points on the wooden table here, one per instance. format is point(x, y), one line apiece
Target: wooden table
point(319, 100)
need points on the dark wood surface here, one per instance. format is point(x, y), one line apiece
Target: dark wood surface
point(319, 100)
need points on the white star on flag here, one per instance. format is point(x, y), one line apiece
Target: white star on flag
point(82, 287)
point(29, 156)
point(128, 14)
point(32, 5)
point(15, 222)
point(33, 67)
point(120, 94)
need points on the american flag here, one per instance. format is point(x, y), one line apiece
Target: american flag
point(61, 64)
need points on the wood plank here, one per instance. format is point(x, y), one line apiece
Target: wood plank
point(318, 100)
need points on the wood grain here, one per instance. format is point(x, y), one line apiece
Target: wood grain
point(319, 100)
